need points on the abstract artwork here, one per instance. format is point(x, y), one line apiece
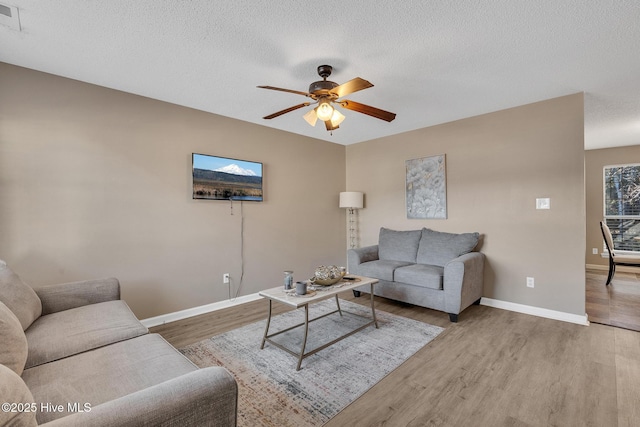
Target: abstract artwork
point(426, 188)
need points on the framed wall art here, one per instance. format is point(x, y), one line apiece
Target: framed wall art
point(426, 188)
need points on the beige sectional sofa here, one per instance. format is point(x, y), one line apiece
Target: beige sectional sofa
point(75, 355)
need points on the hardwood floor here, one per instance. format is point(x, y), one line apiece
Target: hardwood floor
point(492, 368)
point(617, 304)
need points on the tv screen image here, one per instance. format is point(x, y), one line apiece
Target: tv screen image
point(222, 178)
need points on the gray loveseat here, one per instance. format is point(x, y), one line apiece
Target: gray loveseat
point(423, 267)
point(75, 355)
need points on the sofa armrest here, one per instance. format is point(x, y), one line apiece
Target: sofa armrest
point(463, 281)
point(207, 397)
point(357, 256)
point(65, 296)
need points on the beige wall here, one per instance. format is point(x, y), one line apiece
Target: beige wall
point(497, 165)
point(595, 161)
point(96, 182)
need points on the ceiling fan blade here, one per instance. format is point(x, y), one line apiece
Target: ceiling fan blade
point(351, 86)
point(285, 90)
point(330, 126)
point(368, 110)
point(286, 110)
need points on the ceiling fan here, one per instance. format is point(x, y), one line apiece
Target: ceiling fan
point(325, 93)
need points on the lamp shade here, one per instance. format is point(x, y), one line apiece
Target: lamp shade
point(336, 118)
point(352, 199)
point(311, 117)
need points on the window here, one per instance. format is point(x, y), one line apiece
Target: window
point(622, 205)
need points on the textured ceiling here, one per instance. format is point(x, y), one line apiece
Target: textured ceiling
point(431, 61)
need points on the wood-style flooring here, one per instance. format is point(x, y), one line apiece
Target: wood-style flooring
point(617, 304)
point(492, 368)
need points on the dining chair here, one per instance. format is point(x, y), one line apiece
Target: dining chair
point(616, 259)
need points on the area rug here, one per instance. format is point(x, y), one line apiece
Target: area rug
point(271, 391)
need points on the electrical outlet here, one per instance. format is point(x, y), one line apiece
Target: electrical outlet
point(530, 282)
point(594, 251)
point(225, 278)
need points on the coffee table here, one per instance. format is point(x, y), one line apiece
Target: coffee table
point(297, 301)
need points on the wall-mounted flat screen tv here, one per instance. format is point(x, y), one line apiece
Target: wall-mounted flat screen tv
point(221, 178)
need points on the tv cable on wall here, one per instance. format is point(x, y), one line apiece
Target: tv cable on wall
point(241, 249)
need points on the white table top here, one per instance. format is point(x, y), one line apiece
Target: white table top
point(323, 292)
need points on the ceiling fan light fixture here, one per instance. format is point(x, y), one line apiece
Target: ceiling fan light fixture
point(311, 117)
point(324, 110)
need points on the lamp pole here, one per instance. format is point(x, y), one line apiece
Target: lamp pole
point(352, 228)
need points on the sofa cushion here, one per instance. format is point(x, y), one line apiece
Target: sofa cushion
point(18, 296)
point(106, 373)
point(73, 331)
point(13, 343)
point(381, 269)
point(438, 248)
point(425, 276)
point(398, 245)
point(14, 390)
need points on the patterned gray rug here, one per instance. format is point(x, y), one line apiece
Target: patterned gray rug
point(273, 393)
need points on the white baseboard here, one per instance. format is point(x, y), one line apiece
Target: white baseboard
point(489, 302)
point(619, 269)
point(195, 311)
point(536, 311)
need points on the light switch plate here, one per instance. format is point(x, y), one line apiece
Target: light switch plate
point(543, 203)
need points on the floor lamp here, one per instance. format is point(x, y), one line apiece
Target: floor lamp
point(352, 200)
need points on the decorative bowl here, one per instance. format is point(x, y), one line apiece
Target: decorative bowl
point(327, 275)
